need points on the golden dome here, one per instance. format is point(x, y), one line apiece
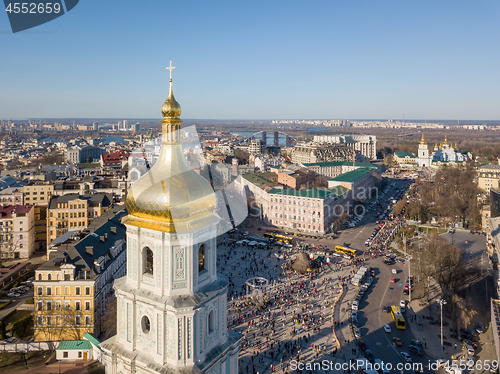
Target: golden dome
point(445, 141)
point(171, 197)
point(171, 108)
point(423, 142)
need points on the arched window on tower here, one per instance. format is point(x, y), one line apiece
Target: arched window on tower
point(211, 322)
point(148, 261)
point(201, 258)
point(49, 277)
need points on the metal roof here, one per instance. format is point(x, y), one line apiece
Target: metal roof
point(69, 345)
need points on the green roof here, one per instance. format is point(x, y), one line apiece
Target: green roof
point(402, 154)
point(351, 176)
point(341, 163)
point(69, 345)
point(91, 338)
point(255, 179)
point(321, 193)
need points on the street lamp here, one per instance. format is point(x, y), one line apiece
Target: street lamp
point(442, 302)
point(409, 258)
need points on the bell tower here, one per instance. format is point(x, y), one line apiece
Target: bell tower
point(171, 305)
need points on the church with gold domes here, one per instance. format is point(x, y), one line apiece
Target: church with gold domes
point(442, 154)
point(171, 305)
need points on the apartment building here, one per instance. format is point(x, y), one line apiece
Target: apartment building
point(71, 289)
point(38, 193)
point(488, 176)
point(364, 144)
point(315, 152)
point(74, 212)
point(11, 196)
point(17, 231)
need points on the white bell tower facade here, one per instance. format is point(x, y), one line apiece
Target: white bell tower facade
point(171, 305)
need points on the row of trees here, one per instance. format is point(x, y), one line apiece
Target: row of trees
point(446, 263)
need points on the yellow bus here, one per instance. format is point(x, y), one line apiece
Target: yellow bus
point(398, 317)
point(347, 251)
point(268, 235)
point(282, 238)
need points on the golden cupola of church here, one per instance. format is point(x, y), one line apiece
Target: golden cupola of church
point(171, 197)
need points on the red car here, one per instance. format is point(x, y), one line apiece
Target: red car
point(393, 280)
point(362, 345)
point(319, 246)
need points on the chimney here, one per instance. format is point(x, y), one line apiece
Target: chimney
point(113, 229)
point(89, 250)
point(102, 239)
point(105, 235)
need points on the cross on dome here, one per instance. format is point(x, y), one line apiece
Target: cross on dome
point(170, 67)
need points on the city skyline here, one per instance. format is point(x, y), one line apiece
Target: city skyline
point(257, 61)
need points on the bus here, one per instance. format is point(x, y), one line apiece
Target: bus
point(283, 239)
point(269, 235)
point(398, 317)
point(347, 251)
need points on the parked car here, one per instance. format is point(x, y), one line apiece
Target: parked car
point(479, 328)
point(362, 345)
point(357, 333)
point(387, 328)
point(393, 280)
point(14, 294)
point(402, 306)
point(370, 356)
point(386, 309)
point(355, 305)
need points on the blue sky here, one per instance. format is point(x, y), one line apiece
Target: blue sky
point(269, 59)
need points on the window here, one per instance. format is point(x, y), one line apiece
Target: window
point(39, 305)
point(49, 306)
point(66, 289)
point(88, 320)
point(79, 354)
point(145, 324)
point(65, 354)
point(66, 277)
point(49, 277)
point(39, 291)
point(77, 290)
point(39, 277)
point(87, 305)
point(49, 291)
point(148, 261)
point(39, 320)
point(77, 305)
point(201, 258)
point(20, 237)
point(78, 320)
point(87, 291)
point(211, 322)
point(49, 320)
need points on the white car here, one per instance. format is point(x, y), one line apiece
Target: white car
point(441, 362)
point(355, 305)
point(402, 305)
point(405, 356)
point(387, 328)
point(357, 333)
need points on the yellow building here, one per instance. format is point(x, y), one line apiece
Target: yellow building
point(38, 193)
point(488, 177)
point(71, 288)
point(74, 212)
